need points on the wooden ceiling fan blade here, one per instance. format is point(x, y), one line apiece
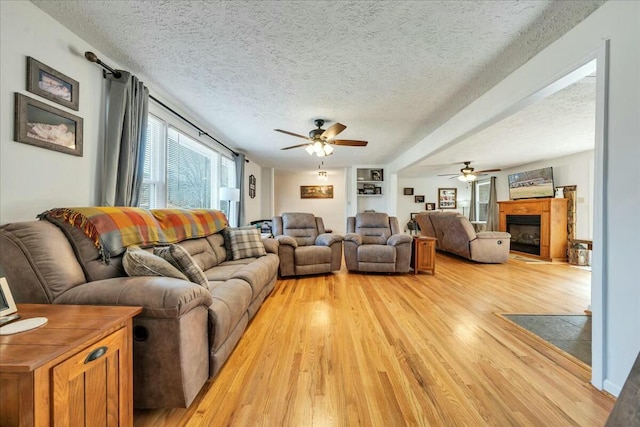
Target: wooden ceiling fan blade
point(295, 146)
point(292, 134)
point(449, 174)
point(350, 142)
point(488, 170)
point(333, 131)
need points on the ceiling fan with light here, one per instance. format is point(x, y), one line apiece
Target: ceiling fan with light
point(467, 173)
point(320, 142)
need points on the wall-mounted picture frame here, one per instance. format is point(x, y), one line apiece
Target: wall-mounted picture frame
point(376, 174)
point(44, 126)
point(408, 191)
point(252, 186)
point(447, 198)
point(418, 199)
point(48, 83)
point(377, 190)
point(430, 206)
point(316, 191)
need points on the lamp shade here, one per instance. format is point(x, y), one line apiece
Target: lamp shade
point(230, 194)
point(463, 203)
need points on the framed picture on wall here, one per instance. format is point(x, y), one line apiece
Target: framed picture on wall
point(51, 84)
point(44, 126)
point(418, 199)
point(430, 206)
point(408, 191)
point(447, 198)
point(316, 191)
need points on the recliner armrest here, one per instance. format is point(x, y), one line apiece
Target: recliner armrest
point(354, 238)
point(286, 240)
point(398, 239)
point(328, 239)
point(160, 297)
point(493, 235)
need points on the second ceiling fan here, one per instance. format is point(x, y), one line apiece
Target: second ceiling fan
point(320, 142)
point(467, 173)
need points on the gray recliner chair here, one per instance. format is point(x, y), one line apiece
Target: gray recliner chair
point(374, 243)
point(304, 247)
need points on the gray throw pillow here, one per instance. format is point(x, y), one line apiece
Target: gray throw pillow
point(180, 258)
point(246, 243)
point(226, 233)
point(138, 262)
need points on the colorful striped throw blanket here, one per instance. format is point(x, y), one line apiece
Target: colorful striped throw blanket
point(113, 229)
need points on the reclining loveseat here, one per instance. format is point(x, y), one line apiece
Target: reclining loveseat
point(186, 330)
point(456, 235)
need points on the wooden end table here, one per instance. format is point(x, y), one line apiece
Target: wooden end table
point(424, 254)
point(75, 370)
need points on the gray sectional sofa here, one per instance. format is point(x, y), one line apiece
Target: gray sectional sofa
point(185, 332)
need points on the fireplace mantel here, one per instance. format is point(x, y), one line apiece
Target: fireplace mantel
point(553, 224)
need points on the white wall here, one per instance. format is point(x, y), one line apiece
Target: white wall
point(427, 187)
point(332, 211)
point(576, 169)
point(253, 207)
point(34, 179)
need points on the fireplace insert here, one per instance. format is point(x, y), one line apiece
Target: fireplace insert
point(525, 233)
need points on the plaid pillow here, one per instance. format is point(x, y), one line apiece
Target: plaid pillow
point(180, 258)
point(246, 243)
point(226, 233)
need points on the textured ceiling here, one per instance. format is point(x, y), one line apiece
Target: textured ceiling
point(559, 125)
point(391, 71)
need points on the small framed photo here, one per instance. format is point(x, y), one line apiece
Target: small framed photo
point(51, 84)
point(447, 198)
point(430, 206)
point(418, 199)
point(376, 174)
point(44, 126)
point(377, 190)
point(408, 191)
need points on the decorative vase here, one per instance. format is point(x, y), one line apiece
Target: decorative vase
point(559, 192)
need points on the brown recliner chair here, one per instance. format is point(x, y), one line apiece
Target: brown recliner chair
point(374, 243)
point(304, 247)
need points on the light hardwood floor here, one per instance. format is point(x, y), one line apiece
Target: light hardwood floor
point(402, 350)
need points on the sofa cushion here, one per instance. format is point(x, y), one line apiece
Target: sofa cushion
point(301, 226)
point(377, 254)
point(309, 255)
point(138, 262)
point(201, 252)
point(246, 243)
point(180, 258)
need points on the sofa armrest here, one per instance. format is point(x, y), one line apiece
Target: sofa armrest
point(493, 235)
point(271, 245)
point(398, 239)
point(160, 297)
point(354, 238)
point(327, 239)
point(286, 240)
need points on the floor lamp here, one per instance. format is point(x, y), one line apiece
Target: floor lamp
point(230, 195)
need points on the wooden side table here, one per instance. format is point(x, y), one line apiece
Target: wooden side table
point(76, 370)
point(424, 254)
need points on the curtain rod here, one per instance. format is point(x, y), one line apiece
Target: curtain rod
point(91, 57)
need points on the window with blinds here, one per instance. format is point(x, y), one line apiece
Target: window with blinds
point(482, 199)
point(181, 172)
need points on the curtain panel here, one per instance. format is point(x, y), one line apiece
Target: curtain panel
point(240, 160)
point(127, 108)
point(473, 212)
point(493, 215)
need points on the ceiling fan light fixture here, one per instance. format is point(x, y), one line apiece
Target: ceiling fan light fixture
point(317, 147)
point(328, 149)
point(322, 175)
point(471, 178)
point(309, 149)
